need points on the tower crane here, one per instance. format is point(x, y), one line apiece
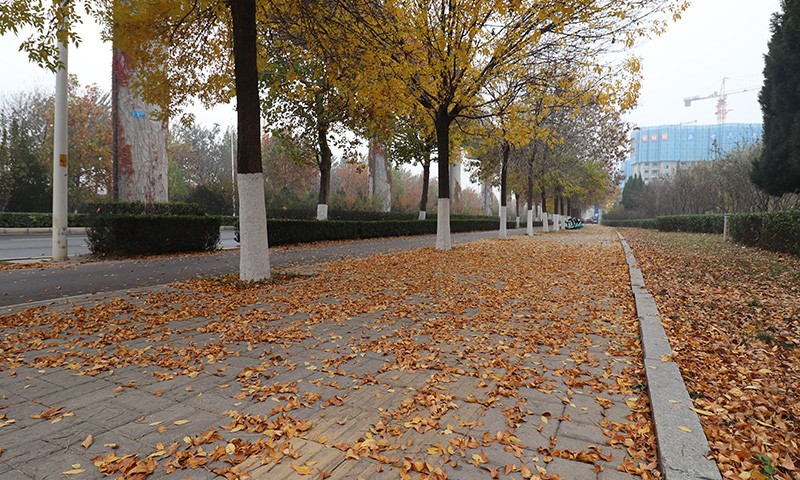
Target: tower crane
point(722, 99)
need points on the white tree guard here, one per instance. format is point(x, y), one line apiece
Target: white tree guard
point(503, 229)
point(443, 240)
point(529, 229)
point(254, 250)
point(422, 215)
point(322, 211)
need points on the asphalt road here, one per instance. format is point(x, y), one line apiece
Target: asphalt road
point(76, 278)
point(39, 245)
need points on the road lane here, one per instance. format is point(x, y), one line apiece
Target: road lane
point(77, 278)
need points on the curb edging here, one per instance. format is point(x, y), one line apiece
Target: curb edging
point(683, 451)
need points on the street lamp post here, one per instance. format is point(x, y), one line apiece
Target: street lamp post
point(60, 222)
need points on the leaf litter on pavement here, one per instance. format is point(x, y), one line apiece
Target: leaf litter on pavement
point(732, 315)
point(422, 363)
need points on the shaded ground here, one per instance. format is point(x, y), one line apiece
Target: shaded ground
point(733, 318)
point(499, 359)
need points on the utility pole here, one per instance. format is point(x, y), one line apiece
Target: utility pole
point(60, 223)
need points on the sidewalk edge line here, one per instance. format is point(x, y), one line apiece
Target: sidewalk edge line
point(683, 450)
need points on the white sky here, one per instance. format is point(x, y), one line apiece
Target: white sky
point(714, 39)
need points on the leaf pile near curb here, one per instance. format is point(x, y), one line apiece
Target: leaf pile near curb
point(732, 315)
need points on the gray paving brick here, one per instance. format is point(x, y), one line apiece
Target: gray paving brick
point(570, 469)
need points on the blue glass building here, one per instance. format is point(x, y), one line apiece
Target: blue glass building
point(658, 151)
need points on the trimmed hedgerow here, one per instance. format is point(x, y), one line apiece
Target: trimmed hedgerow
point(710, 223)
point(288, 231)
point(37, 220)
point(776, 231)
point(127, 234)
point(141, 208)
point(649, 223)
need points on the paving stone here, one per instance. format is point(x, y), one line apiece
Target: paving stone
point(55, 463)
point(614, 474)
point(28, 455)
point(9, 473)
point(530, 436)
point(461, 418)
point(582, 431)
point(571, 470)
point(585, 409)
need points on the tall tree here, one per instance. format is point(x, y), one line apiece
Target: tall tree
point(207, 50)
point(90, 132)
point(777, 171)
point(413, 142)
point(30, 184)
point(445, 53)
point(26, 118)
point(305, 90)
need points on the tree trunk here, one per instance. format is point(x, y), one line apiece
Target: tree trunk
point(544, 199)
point(529, 196)
point(516, 209)
point(503, 193)
point(426, 177)
point(324, 163)
point(254, 251)
point(380, 179)
point(443, 240)
point(139, 139)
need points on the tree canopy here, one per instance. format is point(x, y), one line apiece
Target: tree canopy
point(777, 171)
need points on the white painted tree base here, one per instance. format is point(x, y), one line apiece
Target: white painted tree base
point(443, 240)
point(545, 222)
point(529, 229)
point(517, 221)
point(253, 251)
point(322, 211)
point(503, 235)
point(422, 215)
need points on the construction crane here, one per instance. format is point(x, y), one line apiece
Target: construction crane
point(722, 99)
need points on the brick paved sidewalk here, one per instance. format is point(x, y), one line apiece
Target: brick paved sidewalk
point(499, 359)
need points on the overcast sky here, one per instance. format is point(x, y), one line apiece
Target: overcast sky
point(714, 39)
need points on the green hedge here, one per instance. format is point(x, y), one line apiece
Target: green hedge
point(140, 208)
point(649, 223)
point(125, 234)
point(287, 231)
point(776, 231)
point(711, 223)
point(37, 220)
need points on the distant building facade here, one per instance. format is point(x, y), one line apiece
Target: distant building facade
point(657, 152)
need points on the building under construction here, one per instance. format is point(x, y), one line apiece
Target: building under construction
point(658, 152)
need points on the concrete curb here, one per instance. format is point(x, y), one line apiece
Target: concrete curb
point(683, 451)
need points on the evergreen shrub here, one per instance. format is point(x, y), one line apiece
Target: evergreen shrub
point(711, 223)
point(130, 234)
point(775, 231)
point(37, 220)
point(290, 231)
point(649, 223)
